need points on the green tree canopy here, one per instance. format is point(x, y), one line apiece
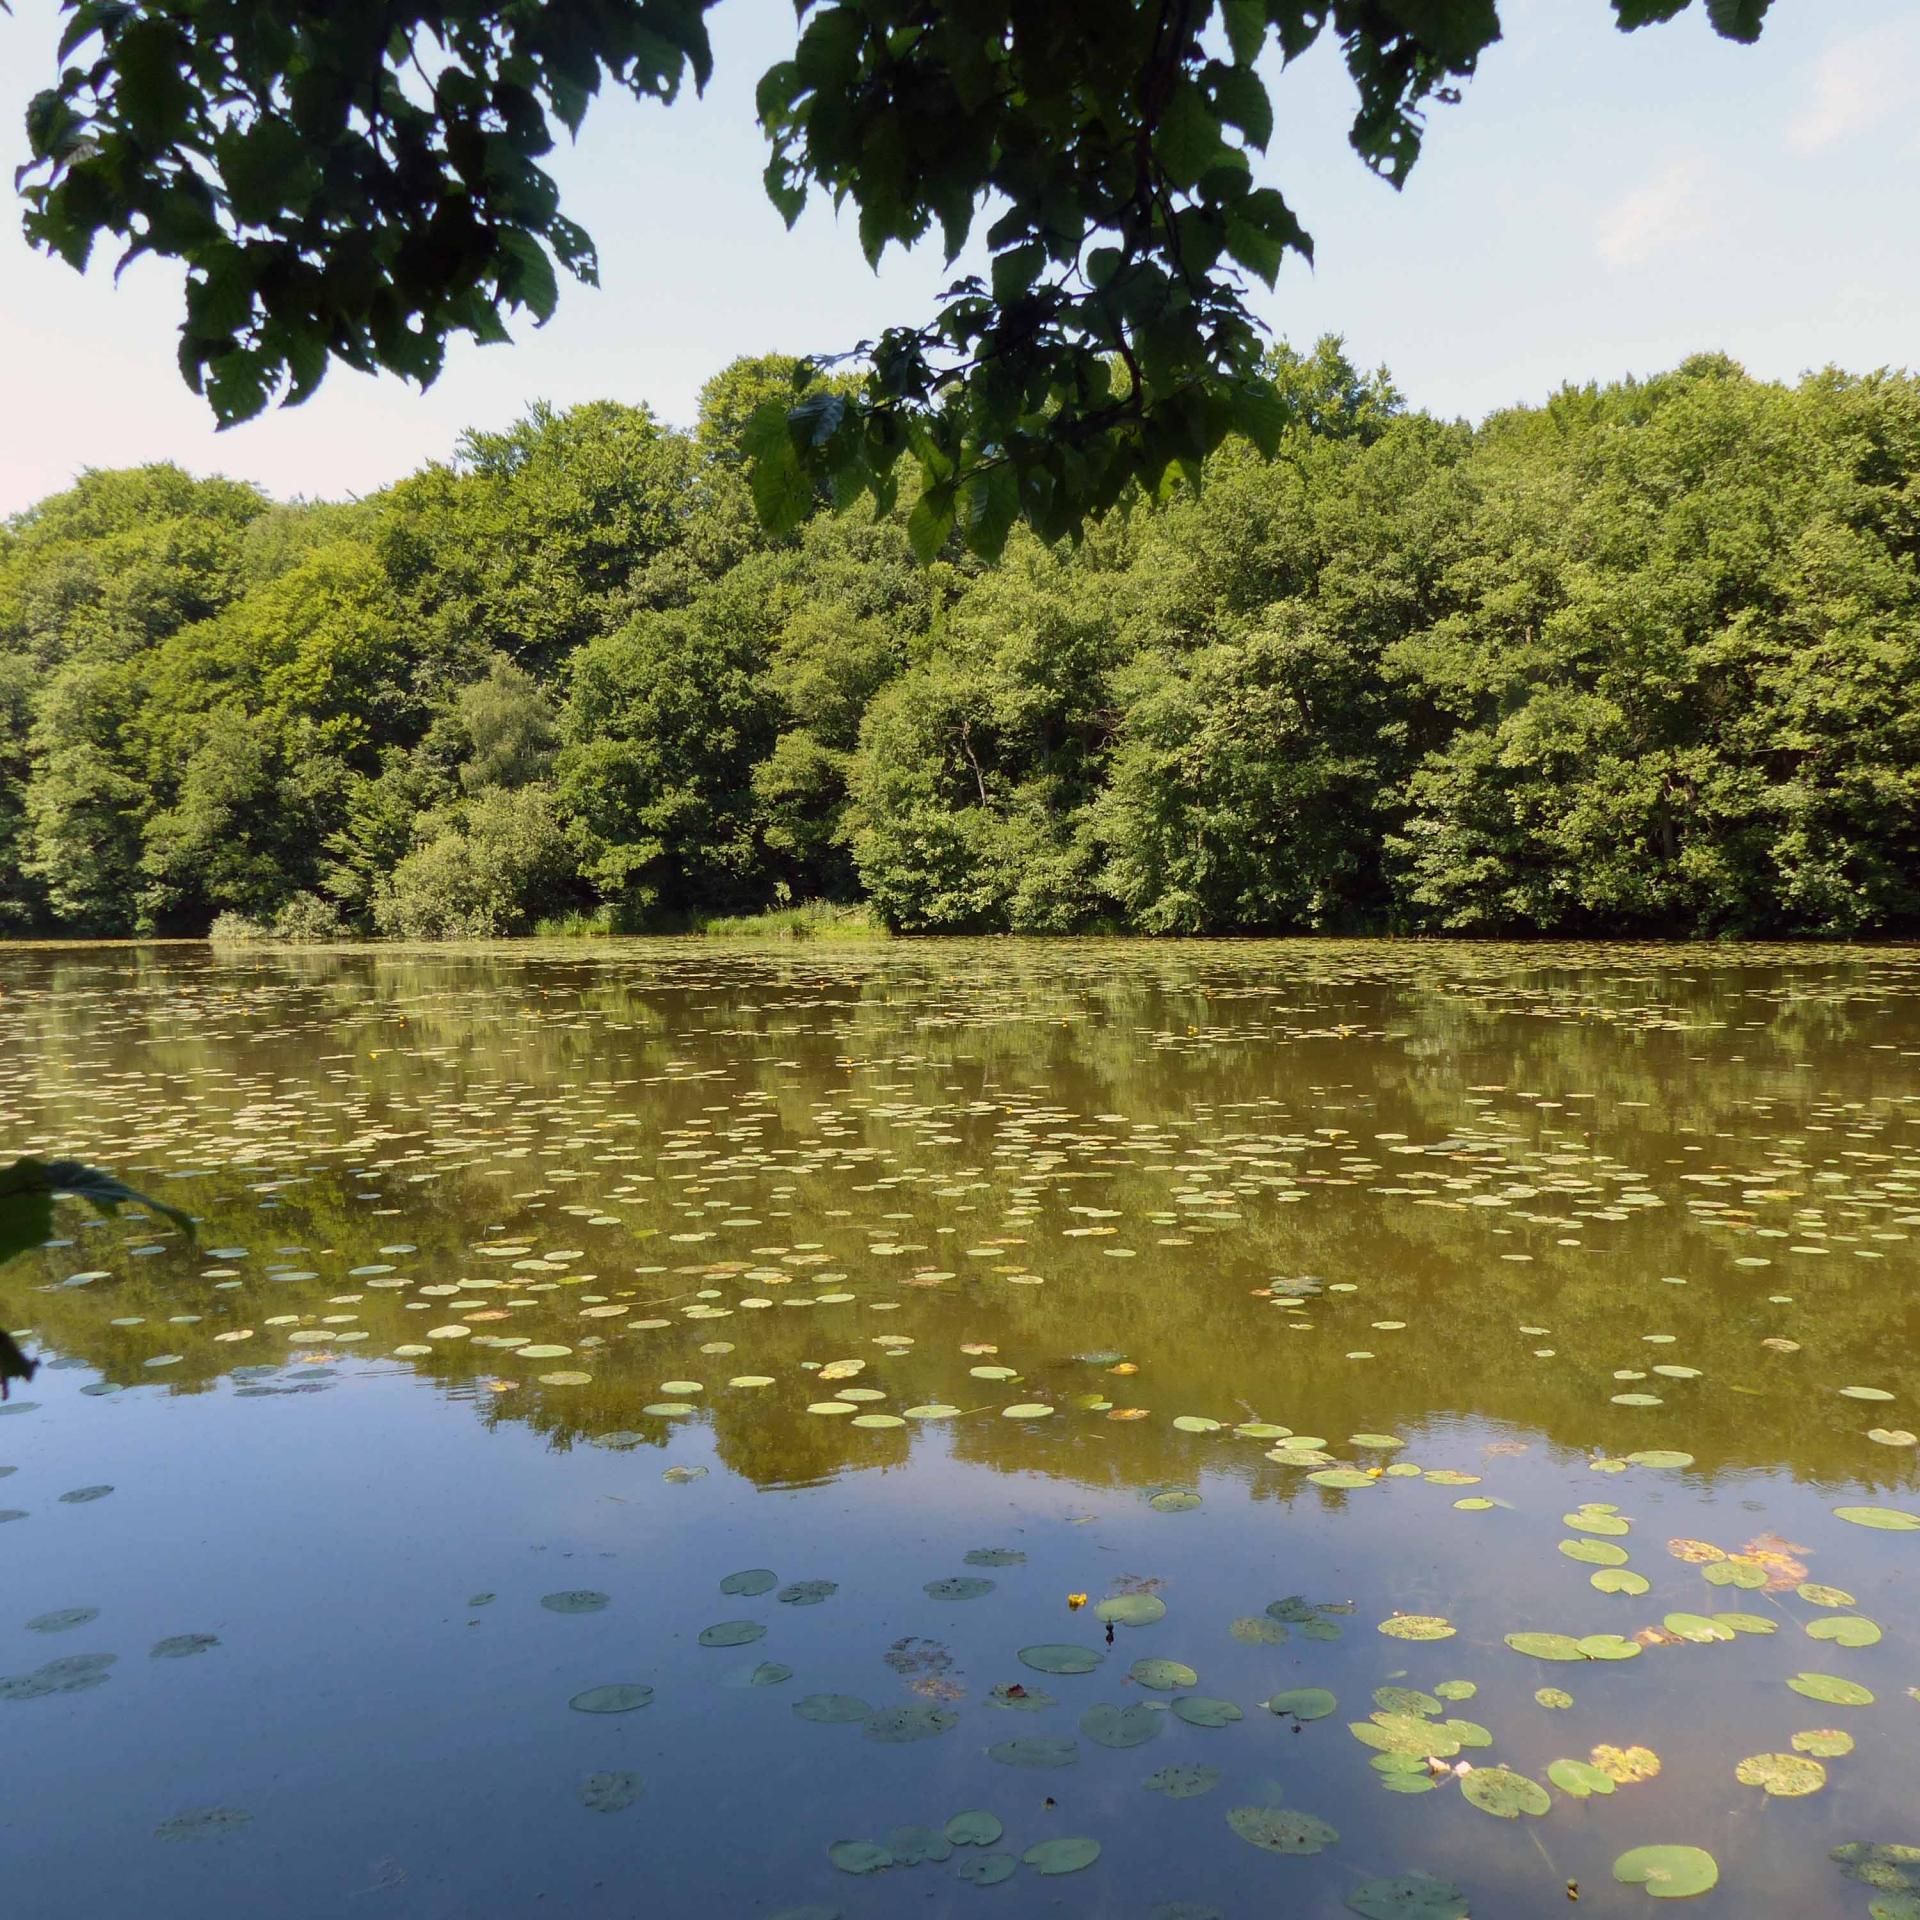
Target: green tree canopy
point(361, 180)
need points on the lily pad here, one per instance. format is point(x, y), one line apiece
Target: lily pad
point(203, 1823)
point(1545, 1646)
point(960, 1587)
point(1890, 1866)
point(1619, 1580)
point(1176, 1500)
point(620, 1696)
point(1831, 1690)
point(914, 1846)
point(1579, 1778)
point(995, 1557)
point(1668, 1873)
point(831, 1709)
point(1257, 1630)
point(1594, 1553)
point(974, 1828)
point(64, 1621)
point(1844, 1630)
point(1303, 1703)
point(899, 1725)
point(768, 1673)
point(1133, 1609)
point(1350, 1478)
point(1409, 1896)
point(182, 1646)
point(1045, 1750)
point(610, 1792)
point(1417, 1626)
point(1200, 1710)
point(1185, 1782)
point(750, 1582)
point(1163, 1676)
point(576, 1600)
point(859, 1856)
point(1786, 1776)
point(1058, 1656)
point(1824, 1743)
point(1881, 1519)
point(732, 1633)
point(1503, 1793)
point(1065, 1855)
point(1026, 1410)
point(1281, 1830)
point(1109, 1726)
point(807, 1593)
point(987, 1869)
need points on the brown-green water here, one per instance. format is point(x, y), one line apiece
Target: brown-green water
point(526, 1274)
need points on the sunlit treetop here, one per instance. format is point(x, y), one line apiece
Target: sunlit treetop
point(361, 180)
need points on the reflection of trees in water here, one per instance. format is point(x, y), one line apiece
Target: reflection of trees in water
point(1201, 1041)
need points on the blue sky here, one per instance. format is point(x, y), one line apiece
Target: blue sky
point(1599, 204)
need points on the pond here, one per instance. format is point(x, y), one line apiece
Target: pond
point(665, 1428)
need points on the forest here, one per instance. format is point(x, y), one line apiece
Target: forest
point(1643, 660)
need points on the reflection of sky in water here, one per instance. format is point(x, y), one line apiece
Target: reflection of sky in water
point(401, 1752)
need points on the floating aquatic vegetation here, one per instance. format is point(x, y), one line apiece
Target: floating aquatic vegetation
point(832, 1709)
point(974, 1828)
point(1281, 1830)
point(576, 1600)
point(1043, 1750)
point(612, 1792)
point(1408, 1896)
point(203, 1823)
point(1066, 1855)
point(1668, 1872)
point(619, 1696)
point(1059, 1656)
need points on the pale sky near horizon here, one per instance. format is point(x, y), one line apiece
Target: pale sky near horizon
point(1600, 204)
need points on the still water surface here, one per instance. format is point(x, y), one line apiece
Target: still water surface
point(1278, 1292)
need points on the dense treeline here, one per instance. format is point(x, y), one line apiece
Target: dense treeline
point(1645, 659)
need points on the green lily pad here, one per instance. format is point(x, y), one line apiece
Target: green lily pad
point(1375, 1440)
point(1417, 1626)
point(1405, 1700)
point(1409, 1896)
point(1662, 1457)
point(1831, 1690)
point(1608, 1646)
point(1597, 1520)
point(1668, 1873)
point(1026, 1410)
point(1456, 1689)
point(1756, 1623)
point(1185, 1782)
point(1865, 1393)
point(1545, 1646)
point(82, 1496)
point(1594, 1553)
point(1469, 1733)
point(1163, 1676)
point(1037, 1750)
point(183, 1646)
point(576, 1600)
point(960, 1587)
point(1066, 1855)
point(898, 1725)
point(1890, 1866)
point(807, 1593)
point(1018, 1699)
point(1882, 1519)
point(994, 1557)
point(1619, 1580)
point(1257, 1630)
point(1405, 1733)
point(750, 1582)
point(832, 1709)
point(732, 1633)
point(1579, 1779)
point(1786, 1776)
point(610, 1792)
point(620, 1696)
point(913, 1846)
point(987, 1869)
point(1555, 1697)
point(1280, 1830)
point(767, 1673)
point(1350, 1478)
point(859, 1856)
point(974, 1828)
point(1199, 1710)
point(64, 1621)
point(1173, 1500)
point(1303, 1703)
point(1844, 1630)
point(1503, 1793)
point(1749, 1575)
point(1824, 1743)
point(1109, 1726)
point(204, 1823)
point(1133, 1609)
point(1060, 1657)
point(1195, 1423)
point(1819, 1596)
